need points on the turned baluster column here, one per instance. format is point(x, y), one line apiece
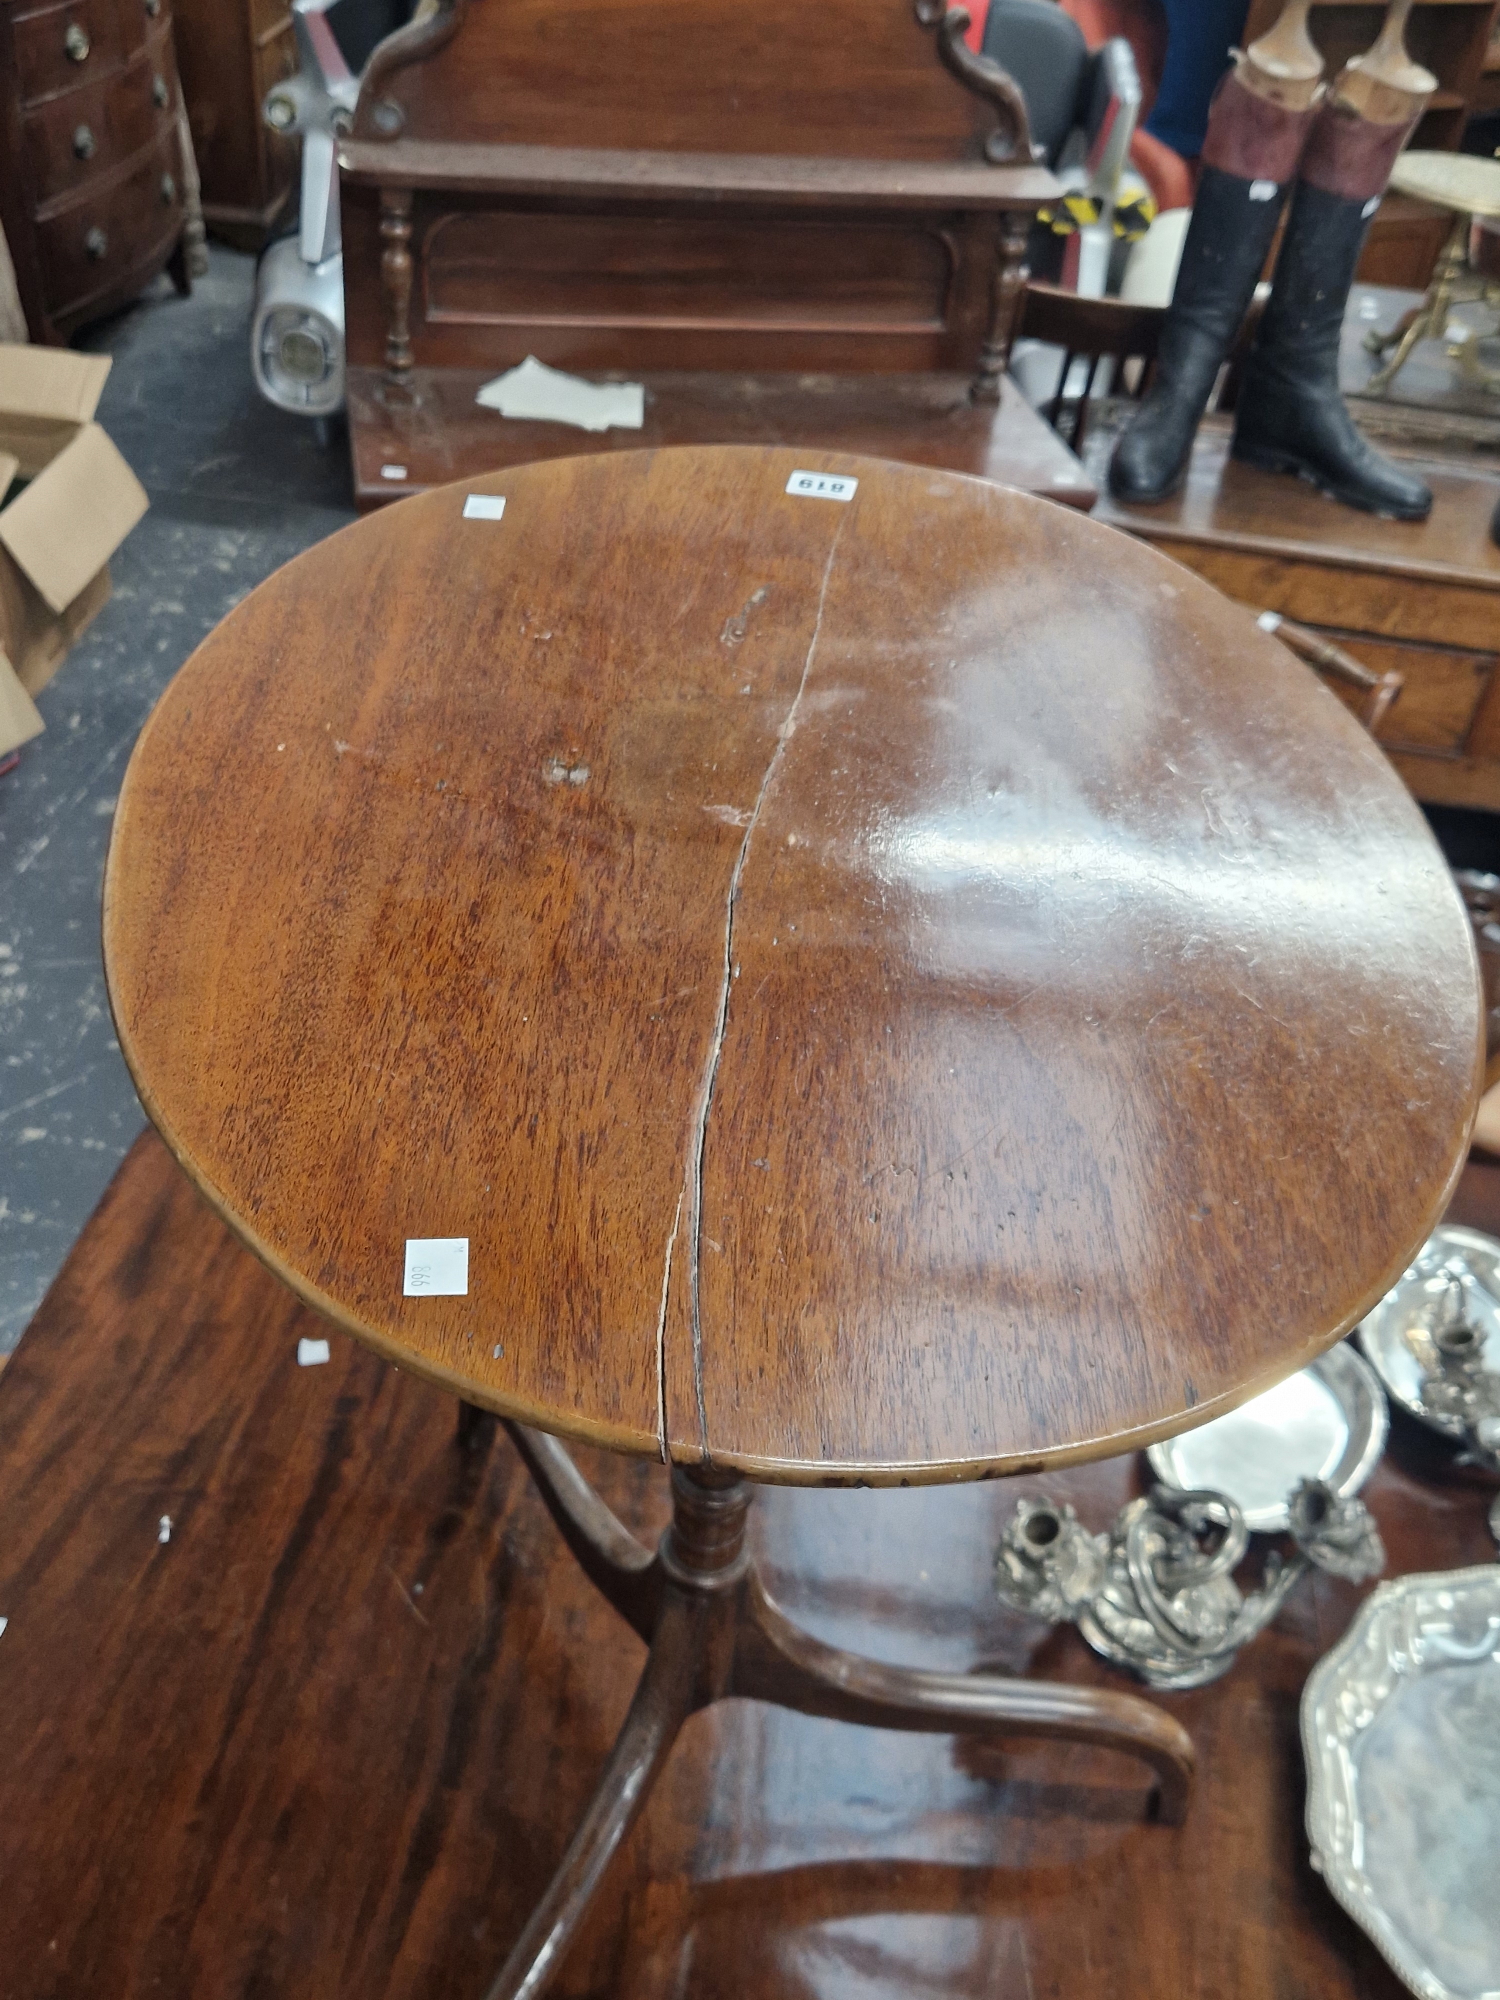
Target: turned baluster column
point(1005, 306)
point(395, 279)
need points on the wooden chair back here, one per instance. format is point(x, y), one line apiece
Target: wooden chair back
point(1092, 330)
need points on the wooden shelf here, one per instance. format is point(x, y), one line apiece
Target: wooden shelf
point(592, 174)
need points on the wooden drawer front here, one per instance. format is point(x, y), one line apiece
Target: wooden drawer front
point(1442, 690)
point(269, 19)
point(140, 19)
point(76, 138)
point(95, 242)
point(1395, 606)
point(63, 47)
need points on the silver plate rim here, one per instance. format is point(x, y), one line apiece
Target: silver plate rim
point(1362, 1395)
point(1349, 1888)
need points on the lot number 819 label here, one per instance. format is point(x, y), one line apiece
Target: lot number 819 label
point(821, 486)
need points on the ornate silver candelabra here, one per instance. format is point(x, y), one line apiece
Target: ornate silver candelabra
point(1157, 1593)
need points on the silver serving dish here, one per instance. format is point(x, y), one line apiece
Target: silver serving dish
point(1401, 1732)
point(1328, 1422)
point(1396, 1335)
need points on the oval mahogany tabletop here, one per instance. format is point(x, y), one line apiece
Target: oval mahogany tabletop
point(889, 988)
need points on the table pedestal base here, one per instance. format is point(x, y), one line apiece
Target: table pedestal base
point(714, 1633)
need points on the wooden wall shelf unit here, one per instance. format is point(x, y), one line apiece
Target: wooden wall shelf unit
point(231, 52)
point(1451, 38)
point(1420, 597)
point(91, 170)
point(757, 191)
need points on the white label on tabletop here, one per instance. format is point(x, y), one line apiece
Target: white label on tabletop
point(311, 1353)
point(821, 486)
point(484, 506)
point(437, 1267)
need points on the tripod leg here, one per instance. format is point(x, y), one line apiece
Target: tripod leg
point(663, 1701)
point(617, 1565)
point(776, 1661)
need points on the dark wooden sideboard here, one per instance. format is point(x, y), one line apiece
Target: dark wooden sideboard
point(1420, 598)
point(91, 171)
point(743, 192)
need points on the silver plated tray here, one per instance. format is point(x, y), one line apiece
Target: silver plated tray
point(1393, 1336)
point(1401, 1732)
point(1328, 1421)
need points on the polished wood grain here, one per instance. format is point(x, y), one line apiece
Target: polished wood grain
point(402, 442)
point(1421, 599)
point(891, 990)
point(847, 80)
point(1228, 507)
point(613, 285)
point(791, 180)
point(334, 1736)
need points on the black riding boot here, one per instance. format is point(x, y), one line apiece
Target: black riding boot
point(1291, 417)
point(1249, 159)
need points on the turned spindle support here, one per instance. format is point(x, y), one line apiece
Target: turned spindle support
point(1005, 307)
point(396, 279)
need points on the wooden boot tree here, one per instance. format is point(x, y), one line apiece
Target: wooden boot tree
point(1384, 84)
point(1284, 65)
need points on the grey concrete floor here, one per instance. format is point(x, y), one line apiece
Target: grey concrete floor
point(236, 489)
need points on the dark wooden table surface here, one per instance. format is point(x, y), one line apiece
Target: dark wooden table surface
point(890, 989)
point(330, 1738)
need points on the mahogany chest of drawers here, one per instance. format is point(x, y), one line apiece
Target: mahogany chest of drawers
point(91, 179)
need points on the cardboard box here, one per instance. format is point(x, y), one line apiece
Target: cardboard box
point(79, 503)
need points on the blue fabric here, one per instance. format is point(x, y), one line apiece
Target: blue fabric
point(1200, 34)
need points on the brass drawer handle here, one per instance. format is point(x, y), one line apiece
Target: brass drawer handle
point(168, 190)
point(76, 43)
point(83, 143)
point(96, 244)
point(159, 92)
